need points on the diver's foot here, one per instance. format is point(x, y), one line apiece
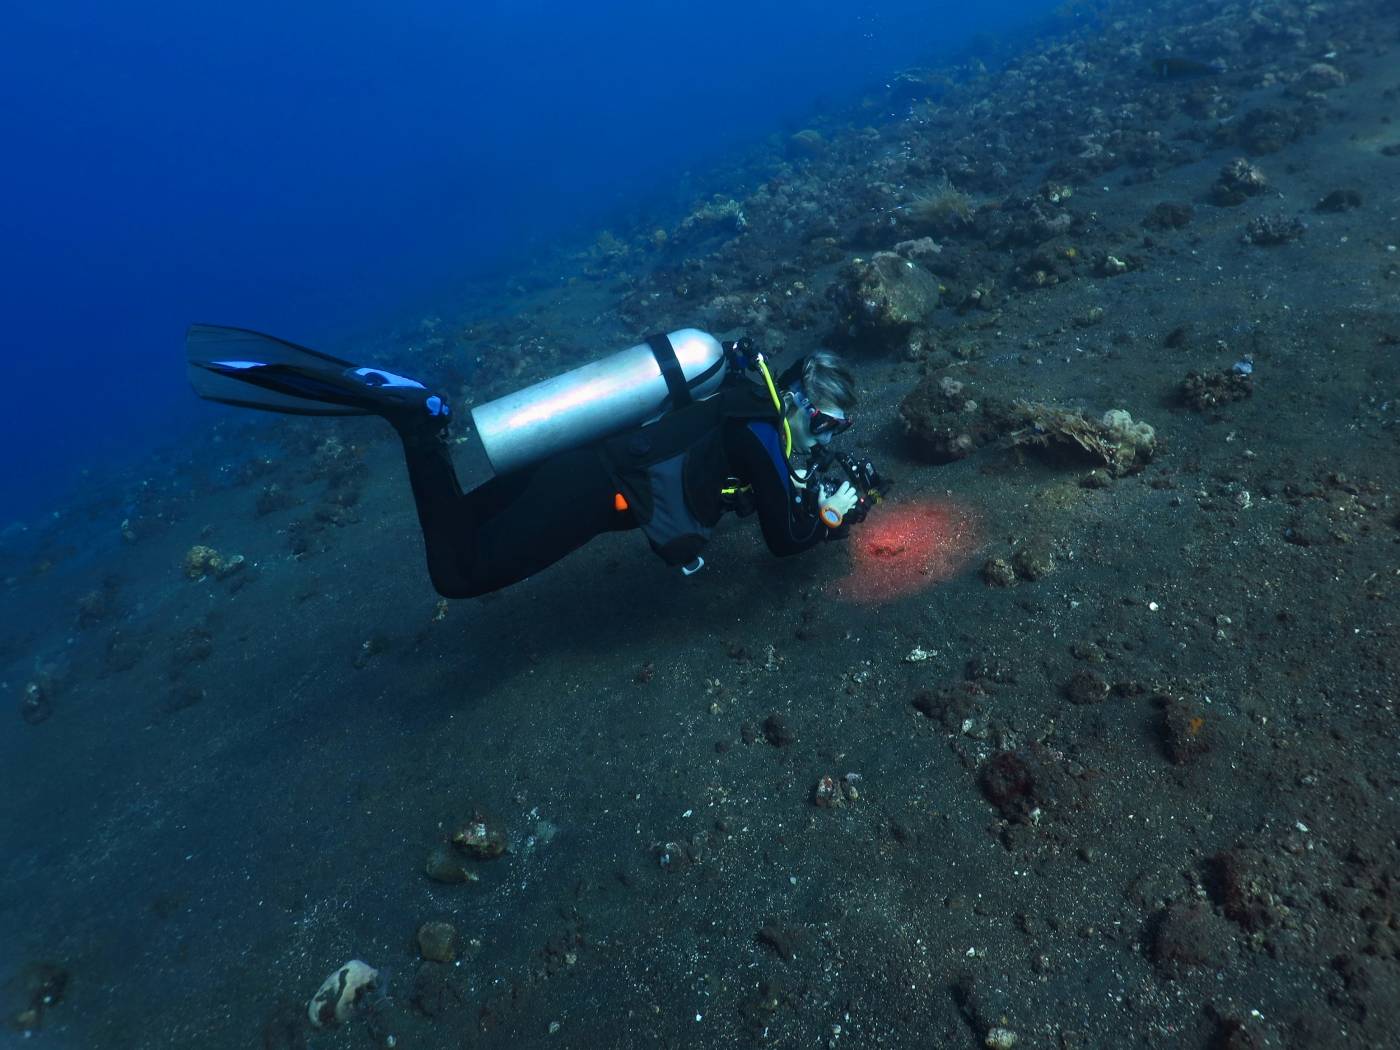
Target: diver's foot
point(411, 408)
point(423, 422)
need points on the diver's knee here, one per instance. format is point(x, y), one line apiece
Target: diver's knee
point(453, 586)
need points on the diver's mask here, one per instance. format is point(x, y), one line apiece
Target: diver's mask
point(822, 424)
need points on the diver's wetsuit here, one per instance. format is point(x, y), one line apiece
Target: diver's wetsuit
point(513, 526)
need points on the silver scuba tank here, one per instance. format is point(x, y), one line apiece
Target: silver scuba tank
point(625, 390)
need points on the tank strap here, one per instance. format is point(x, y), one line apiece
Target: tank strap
point(671, 369)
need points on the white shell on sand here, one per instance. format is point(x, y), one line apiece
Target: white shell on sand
point(341, 993)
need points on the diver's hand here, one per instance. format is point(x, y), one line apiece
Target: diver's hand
point(836, 506)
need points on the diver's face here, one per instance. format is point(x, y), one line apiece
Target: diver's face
point(800, 418)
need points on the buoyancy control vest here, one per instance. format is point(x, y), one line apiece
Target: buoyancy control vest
point(672, 471)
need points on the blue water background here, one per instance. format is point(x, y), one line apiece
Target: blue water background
point(316, 169)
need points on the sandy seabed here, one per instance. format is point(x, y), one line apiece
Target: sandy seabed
point(1138, 790)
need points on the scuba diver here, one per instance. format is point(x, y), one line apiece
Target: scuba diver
point(665, 437)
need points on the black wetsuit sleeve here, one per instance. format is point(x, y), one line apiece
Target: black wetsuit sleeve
point(790, 525)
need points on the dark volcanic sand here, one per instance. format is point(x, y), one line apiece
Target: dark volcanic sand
point(1146, 799)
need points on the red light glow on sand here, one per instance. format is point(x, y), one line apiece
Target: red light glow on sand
point(900, 550)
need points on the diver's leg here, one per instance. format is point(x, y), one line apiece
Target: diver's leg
point(528, 520)
point(444, 513)
point(511, 527)
point(241, 367)
point(539, 517)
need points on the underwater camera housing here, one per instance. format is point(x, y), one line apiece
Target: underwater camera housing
point(833, 469)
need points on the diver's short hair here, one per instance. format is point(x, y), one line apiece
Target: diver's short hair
point(827, 380)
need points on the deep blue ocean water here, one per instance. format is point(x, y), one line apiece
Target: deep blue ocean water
point(314, 169)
